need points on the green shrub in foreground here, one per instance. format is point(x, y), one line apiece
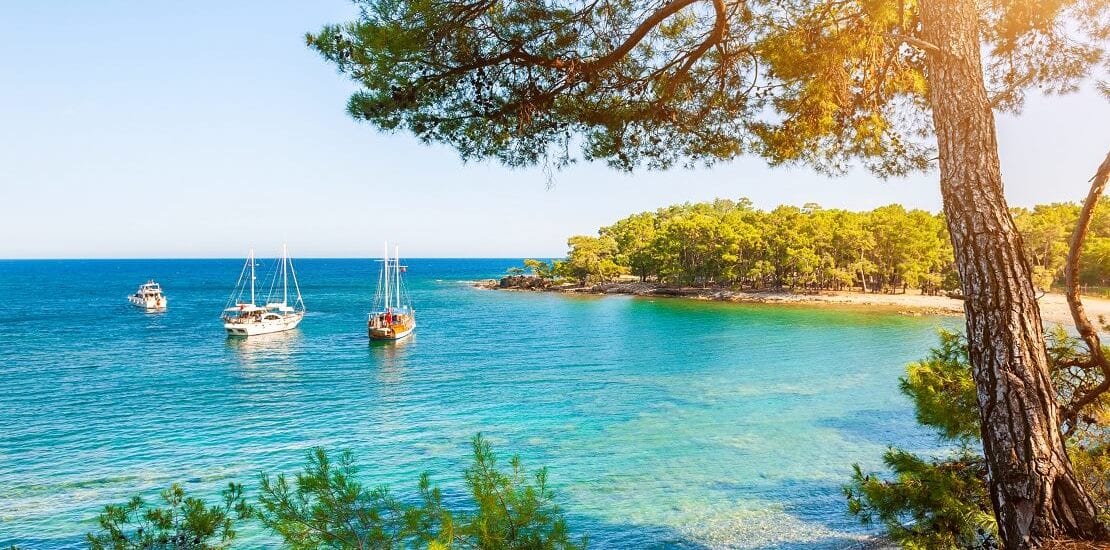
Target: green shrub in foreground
point(326, 506)
point(180, 523)
point(943, 502)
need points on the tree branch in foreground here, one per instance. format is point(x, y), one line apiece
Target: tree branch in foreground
point(1086, 330)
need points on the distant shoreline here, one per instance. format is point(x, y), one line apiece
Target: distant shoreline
point(1054, 307)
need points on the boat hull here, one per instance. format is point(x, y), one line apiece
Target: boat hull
point(265, 326)
point(393, 333)
point(152, 304)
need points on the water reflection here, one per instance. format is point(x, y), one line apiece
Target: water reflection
point(154, 319)
point(270, 373)
point(274, 349)
point(391, 356)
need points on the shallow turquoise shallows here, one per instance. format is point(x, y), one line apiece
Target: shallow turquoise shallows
point(665, 423)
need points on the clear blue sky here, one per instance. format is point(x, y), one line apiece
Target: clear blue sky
point(159, 129)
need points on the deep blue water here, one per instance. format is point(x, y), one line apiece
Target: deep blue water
point(665, 423)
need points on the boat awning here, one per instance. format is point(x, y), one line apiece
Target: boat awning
point(245, 307)
point(279, 306)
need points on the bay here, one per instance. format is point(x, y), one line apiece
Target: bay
point(665, 423)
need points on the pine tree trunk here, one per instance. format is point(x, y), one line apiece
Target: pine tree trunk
point(1035, 492)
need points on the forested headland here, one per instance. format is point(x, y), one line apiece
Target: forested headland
point(888, 249)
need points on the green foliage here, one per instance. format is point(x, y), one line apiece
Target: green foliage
point(512, 512)
point(181, 523)
point(634, 236)
point(695, 247)
point(732, 243)
point(943, 391)
point(928, 503)
point(326, 507)
point(888, 248)
point(590, 259)
point(540, 268)
point(1072, 376)
point(943, 502)
point(819, 82)
point(1046, 232)
point(933, 503)
point(1092, 467)
point(1095, 269)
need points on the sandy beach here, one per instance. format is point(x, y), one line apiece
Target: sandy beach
point(1054, 307)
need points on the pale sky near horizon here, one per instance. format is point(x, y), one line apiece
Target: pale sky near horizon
point(142, 129)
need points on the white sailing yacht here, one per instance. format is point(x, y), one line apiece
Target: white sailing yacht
point(149, 296)
point(393, 317)
point(243, 318)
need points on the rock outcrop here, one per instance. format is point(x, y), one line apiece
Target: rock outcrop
point(524, 282)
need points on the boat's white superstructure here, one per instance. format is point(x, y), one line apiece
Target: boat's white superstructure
point(246, 318)
point(393, 317)
point(149, 296)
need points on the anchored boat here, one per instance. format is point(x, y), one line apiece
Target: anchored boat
point(393, 317)
point(243, 318)
point(149, 296)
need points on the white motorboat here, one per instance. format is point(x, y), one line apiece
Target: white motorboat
point(149, 296)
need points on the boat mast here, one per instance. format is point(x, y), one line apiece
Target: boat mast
point(385, 274)
point(284, 275)
point(251, 260)
point(397, 273)
point(296, 285)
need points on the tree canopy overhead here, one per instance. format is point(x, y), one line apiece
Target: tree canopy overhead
point(687, 81)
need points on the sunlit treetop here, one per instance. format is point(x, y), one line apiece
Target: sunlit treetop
point(656, 83)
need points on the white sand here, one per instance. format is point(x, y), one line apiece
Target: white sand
point(1054, 307)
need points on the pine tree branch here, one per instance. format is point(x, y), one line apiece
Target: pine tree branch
point(917, 42)
point(660, 15)
point(1000, 96)
point(1083, 325)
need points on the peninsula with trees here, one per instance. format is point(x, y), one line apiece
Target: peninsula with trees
point(729, 250)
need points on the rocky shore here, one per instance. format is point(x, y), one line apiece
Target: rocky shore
point(1054, 308)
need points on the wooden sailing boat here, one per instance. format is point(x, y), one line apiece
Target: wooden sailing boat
point(393, 317)
point(242, 318)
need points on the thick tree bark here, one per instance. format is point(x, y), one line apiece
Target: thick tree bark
point(1035, 492)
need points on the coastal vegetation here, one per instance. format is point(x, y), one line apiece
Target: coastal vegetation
point(887, 249)
point(327, 506)
point(896, 87)
point(733, 244)
point(1046, 231)
point(929, 502)
point(179, 522)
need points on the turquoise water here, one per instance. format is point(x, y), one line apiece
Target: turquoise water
point(665, 423)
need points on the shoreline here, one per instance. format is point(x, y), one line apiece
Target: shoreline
point(1054, 306)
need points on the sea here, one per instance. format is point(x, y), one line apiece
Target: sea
point(663, 423)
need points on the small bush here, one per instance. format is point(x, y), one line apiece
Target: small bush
point(326, 507)
point(181, 523)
